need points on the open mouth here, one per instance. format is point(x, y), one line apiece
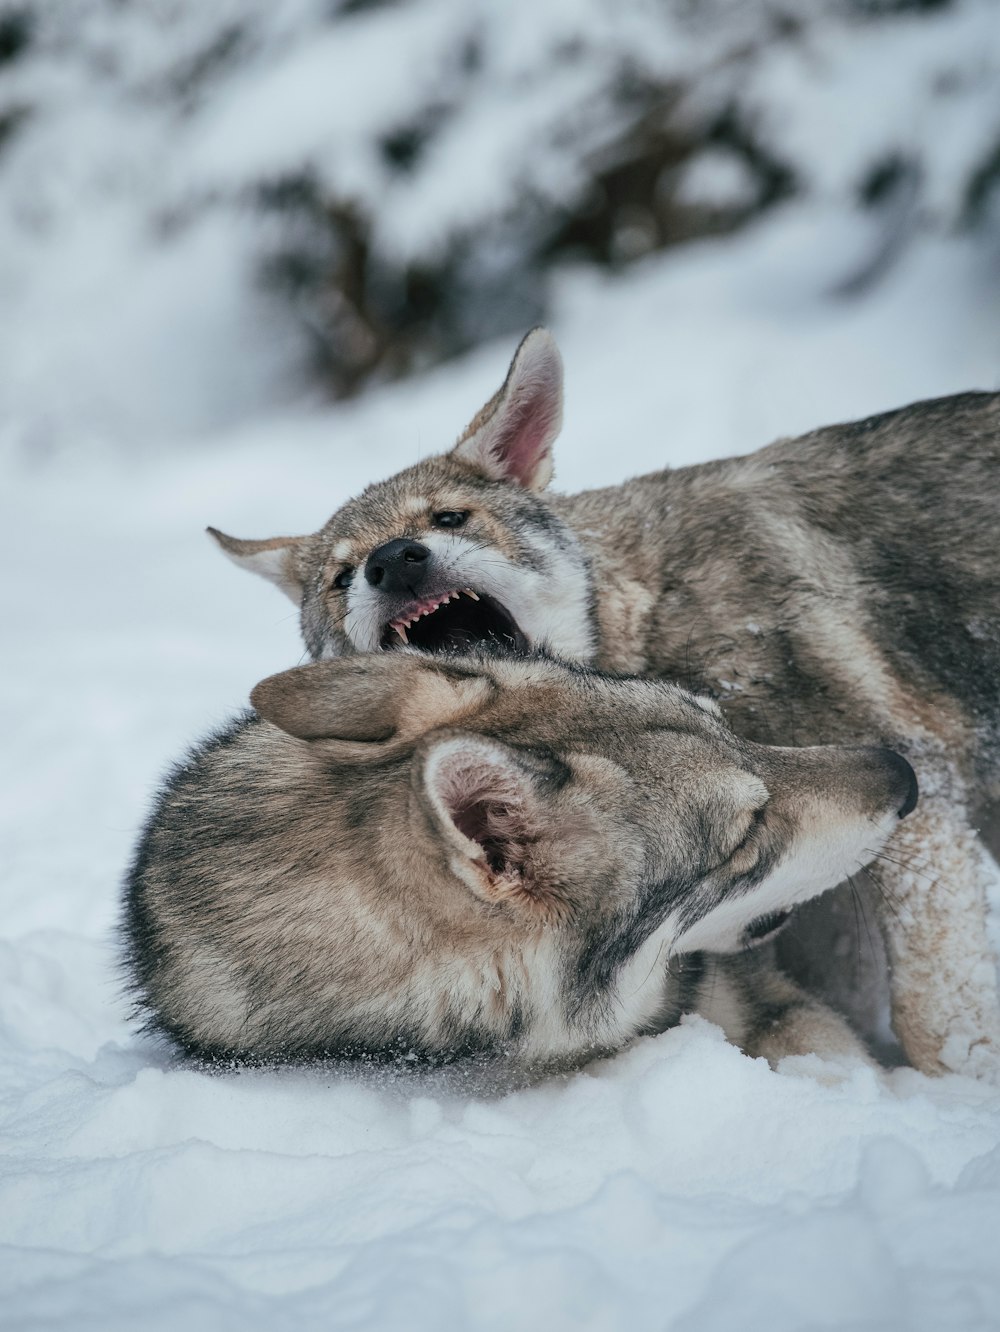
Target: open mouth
point(456, 621)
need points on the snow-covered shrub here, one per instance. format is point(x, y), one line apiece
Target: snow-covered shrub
point(230, 195)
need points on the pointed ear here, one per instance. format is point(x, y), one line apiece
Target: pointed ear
point(511, 438)
point(372, 704)
point(277, 559)
point(488, 801)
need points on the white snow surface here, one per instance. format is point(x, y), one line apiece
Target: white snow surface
point(679, 1185)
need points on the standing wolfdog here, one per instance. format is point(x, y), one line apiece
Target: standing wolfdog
point(410, 855)
point(838, 587)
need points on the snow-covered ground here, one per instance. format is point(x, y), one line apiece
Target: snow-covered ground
point(679, 1185)
point(147, 388)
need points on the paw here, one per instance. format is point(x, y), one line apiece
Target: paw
point(832, 1070)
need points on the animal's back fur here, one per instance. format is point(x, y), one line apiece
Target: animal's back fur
point(883, 531)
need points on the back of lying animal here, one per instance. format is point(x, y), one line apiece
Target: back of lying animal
point(455, 855)
point(231, 944)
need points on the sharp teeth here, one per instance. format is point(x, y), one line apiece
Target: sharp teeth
point(469, 593)
point(402, 632)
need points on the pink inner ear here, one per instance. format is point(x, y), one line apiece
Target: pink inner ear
point(485, 806)
point(524, 430)
point(496, 831)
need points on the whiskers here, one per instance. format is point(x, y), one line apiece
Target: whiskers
point(364, 627)
point(907, 866)
point(861, 919)
point(887, 864)
point(886, 896)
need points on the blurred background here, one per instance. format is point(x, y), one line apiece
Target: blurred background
point(214, 211)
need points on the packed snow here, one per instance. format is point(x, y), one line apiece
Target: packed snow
point(679, 1185)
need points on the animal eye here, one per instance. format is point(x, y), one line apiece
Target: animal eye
point(451, 518)
point(345, 578)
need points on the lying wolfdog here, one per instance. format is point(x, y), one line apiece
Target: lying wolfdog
point(438, 856)
point(839, 587)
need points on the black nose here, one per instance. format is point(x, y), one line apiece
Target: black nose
point(398, 566)
point(906, 781)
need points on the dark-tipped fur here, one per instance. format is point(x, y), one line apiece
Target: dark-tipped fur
point(432, 858)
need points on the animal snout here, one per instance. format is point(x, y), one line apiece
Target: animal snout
point(398, 566)
point(904, 782)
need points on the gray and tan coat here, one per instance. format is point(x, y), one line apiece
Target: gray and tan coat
point(841, 587)
point(425, 856)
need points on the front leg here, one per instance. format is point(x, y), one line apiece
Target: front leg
point(934, 878)
point(770, 1017)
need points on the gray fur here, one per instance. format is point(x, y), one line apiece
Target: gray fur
point(445, 856)
point(840, 587)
